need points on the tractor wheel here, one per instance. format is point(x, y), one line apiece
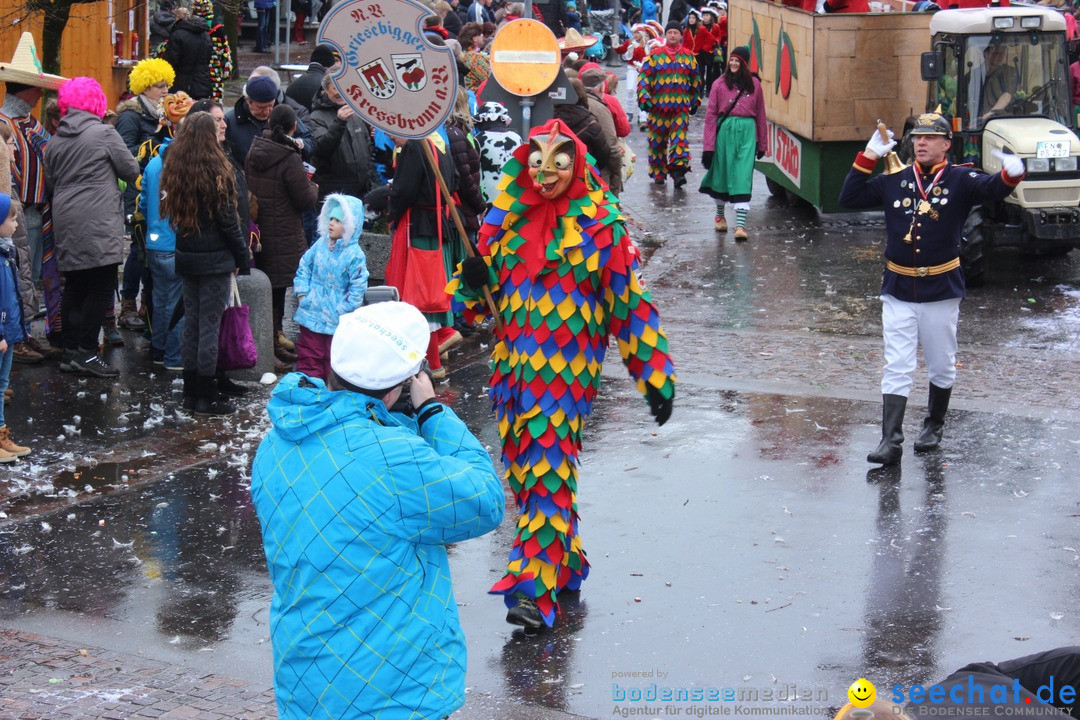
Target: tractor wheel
point(776, 188)
point(973, 249)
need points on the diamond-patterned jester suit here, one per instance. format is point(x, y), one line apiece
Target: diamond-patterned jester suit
point(563, 277)
point(668, 90)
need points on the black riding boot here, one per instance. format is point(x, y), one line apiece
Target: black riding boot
point(191, 389)
point(226, 386)
point(892, 431)
point(934, 424)
point(208, 401)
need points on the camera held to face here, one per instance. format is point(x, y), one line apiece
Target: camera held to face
point(404, 404)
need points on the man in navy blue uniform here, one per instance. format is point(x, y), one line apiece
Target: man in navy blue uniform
point(925, 209)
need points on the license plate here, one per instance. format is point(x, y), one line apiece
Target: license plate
point(1056, 149)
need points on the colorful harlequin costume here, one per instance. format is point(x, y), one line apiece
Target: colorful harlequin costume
point(221, 64)
point(633, 52)
point(563, 274)
point(668, 90)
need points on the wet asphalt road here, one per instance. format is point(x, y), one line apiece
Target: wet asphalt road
point(743, 545)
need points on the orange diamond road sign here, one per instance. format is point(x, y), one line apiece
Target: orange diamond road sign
point(525, 57)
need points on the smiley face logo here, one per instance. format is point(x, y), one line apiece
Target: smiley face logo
point(862, 693)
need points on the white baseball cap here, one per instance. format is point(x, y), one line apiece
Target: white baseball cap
point(379, 346)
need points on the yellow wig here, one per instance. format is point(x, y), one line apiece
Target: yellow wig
point(150, 72)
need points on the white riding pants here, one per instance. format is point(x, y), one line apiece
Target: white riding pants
point(906, 325)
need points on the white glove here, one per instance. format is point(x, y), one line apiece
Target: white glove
point(879, 147)
point(1011, 164)
point(252, 11)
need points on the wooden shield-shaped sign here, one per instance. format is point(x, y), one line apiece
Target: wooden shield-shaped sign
point(391, 75)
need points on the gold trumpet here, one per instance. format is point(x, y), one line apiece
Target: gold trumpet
point(893, 163)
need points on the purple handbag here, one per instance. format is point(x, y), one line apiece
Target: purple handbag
point(236, 346)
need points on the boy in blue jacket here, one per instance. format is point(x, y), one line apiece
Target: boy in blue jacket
point(357, 505)
point(331, 281)
point(11, 320)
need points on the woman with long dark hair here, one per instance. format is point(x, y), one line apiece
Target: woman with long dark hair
point(225, 385)
point(199, 198)
point(276, 176)
point(735, 133)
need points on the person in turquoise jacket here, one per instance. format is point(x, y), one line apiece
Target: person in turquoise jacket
point(331, 281)
point(357, 505)
point(168, 288)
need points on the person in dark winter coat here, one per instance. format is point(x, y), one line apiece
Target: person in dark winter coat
point(416, 206)
point(84, 163)
point(161, 26)
point(248, 118)
point(199, 198)
point(679, 11)
point(466, 156)
point(304, 88)
point(497, 143)
point(593, 81)
point(448, 18)
point(584, 124)
point(276, 176)
point(137, 119)
point(342, 145)
point(189, 51)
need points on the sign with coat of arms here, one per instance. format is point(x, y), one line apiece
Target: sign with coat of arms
point(390, 74)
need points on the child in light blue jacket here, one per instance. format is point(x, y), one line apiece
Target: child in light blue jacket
point(330, 282)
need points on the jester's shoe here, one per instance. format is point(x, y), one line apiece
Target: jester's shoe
point(525, 613)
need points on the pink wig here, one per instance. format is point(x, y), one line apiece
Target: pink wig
point(81, 93)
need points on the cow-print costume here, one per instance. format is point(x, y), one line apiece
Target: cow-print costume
point(497, 144)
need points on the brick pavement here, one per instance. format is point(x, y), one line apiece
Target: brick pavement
point(43, 678)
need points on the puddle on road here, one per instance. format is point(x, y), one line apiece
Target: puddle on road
point(102, 477)
point(184, 550)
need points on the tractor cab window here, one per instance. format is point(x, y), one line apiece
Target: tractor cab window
point(943, 91)
point(1013, 75)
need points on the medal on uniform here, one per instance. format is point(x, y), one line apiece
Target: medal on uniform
point(907, 202)
point(924, 206)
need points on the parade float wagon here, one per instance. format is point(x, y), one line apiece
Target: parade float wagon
point(828, 79)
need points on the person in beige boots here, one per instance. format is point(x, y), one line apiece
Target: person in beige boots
point(11, 325)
